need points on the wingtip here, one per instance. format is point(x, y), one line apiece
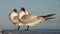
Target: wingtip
point(53, 14)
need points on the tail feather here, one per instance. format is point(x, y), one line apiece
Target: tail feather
point(51, 18)
point(48, 15)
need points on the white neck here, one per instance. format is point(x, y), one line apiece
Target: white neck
point(22, 13)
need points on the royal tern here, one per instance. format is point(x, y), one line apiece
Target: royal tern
point(31, 20)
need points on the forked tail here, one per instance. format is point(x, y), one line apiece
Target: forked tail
point(49, 16)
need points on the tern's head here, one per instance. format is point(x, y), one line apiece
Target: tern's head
point(24, 10)
point(13, 13)
point(15, 10)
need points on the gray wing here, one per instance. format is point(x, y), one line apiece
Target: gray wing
point(16, 17)
point(15, 20)
point(29, 18)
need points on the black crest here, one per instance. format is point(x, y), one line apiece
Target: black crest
point(15, 10)
point(22, 9)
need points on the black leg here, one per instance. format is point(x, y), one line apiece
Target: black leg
point(27, 27)
point(18, 28)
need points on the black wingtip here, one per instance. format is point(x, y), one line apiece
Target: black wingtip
point(22, 8)
point(49, 15)
point(52, 14)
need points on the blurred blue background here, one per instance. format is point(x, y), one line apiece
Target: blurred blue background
point(36, 7)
